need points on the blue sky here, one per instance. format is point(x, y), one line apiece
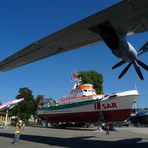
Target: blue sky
point(26, 21)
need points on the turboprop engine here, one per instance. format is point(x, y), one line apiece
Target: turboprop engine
point(121, 48)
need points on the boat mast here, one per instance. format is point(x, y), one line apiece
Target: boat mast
point(76, 79)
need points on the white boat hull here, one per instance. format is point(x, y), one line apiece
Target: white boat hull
point(117, 107)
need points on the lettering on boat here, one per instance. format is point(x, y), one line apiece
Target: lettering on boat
point(109, 105)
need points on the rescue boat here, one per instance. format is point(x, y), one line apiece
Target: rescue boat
point(84, 105)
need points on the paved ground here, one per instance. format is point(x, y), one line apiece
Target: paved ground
point(76, 138)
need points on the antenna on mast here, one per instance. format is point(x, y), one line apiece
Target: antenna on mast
point(135, 86)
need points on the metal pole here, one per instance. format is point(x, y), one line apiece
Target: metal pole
point(6, 118)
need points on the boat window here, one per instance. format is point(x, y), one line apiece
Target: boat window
point(85, 90)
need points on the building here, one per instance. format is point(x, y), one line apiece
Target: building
point(3, 118)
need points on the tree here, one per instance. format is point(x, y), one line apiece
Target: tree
point(94, 78)
point(39, 100)
point(27, 107)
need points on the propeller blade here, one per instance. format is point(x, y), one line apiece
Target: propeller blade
point(124, 70)
point(142, 65)
point(137, 68)
point(143, 49)
point(118, 64)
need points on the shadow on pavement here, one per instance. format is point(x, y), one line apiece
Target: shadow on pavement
point(76, 142)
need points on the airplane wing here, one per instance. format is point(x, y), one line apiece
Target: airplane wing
point(2, 107)
point(7, 107)
point(127, 17)
point(10, 104)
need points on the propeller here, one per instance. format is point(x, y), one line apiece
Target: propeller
point(124, 70)
point(143, 49)
point(136, 63)
point(137, 68)
point(118, 64)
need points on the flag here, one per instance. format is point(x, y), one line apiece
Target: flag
point(75, 75)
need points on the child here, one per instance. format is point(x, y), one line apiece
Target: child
point(17, 134)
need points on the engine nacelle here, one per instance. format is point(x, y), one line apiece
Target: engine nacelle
point(117, 43)
point(109, 35)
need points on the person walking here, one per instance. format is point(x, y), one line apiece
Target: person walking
point(17, 134)
point(107, 129)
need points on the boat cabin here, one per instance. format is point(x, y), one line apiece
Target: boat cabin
point(82, 90)
point(80, 93)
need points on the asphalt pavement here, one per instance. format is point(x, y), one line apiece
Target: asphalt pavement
point(35, 137)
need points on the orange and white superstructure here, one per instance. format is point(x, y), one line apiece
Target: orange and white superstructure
point(84, 105)
point(81, 93)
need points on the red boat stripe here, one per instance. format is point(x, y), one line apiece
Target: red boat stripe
point(110, 115)
point(98, 105)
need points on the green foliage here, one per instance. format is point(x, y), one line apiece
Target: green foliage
point(39, 98)
point(94, 78)
point(26, 108)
